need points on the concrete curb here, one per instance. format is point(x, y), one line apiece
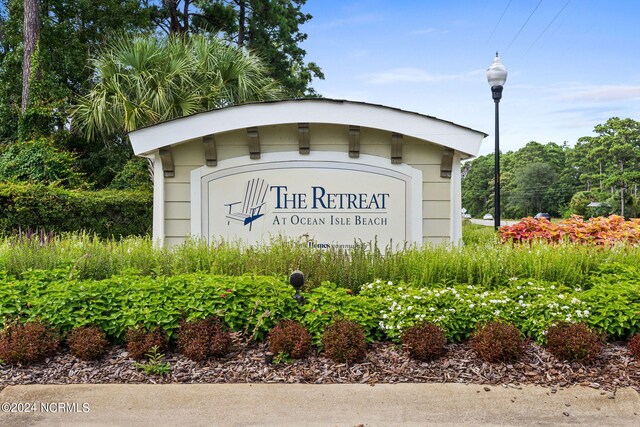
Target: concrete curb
point(314, 405)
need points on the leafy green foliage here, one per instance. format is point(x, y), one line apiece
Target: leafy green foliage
point(71, 32)
point(327, 302)
point(612, 159)
point(154, 364)
point(573, 342)
point(133, 176)
point(270, 29)
point(40, 161)
point(498, 342)
point(343, 341)
point(147, 80)
point(27, 343)
point(106, 213)
point(253, 305)
point(563, 180)
point(614, 299)
point(248, 304)
point(534, 178)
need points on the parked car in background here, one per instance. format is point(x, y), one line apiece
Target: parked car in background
point(543, 215)
point(487, 216)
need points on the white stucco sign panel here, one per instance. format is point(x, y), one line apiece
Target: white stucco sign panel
point(326, 199)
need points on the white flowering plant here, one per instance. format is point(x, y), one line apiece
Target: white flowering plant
point(532, 305)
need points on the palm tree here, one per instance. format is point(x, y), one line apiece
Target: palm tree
point(149, 80)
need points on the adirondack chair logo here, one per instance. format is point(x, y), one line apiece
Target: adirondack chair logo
point(251, 206)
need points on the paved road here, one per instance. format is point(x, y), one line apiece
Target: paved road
point(315, 405)
point(490, 222)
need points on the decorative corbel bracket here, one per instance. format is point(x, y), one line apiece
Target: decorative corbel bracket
point(396, 148)
point(303, 138)
point(354, 141)
point(210, 151)
point(168, 167)
point(447, 162)
point(254, 142)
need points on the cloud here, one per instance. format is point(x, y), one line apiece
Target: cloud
point(354, 20)
point(415, 75)
point(602, 94)
point(423, 31)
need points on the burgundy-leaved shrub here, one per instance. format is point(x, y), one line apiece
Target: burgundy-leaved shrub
point(344, 341)
point(27, 343)
point(425, 341)
point(140, 341)
point(203, 338)
point(634, 345)
point(573, 342)
point(87, 342)
point(498, 342)
point(291, 338)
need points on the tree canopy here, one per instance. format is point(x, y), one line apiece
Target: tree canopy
point(559, 179)
point(149, 80)
point(74, 34)
point(268, 28)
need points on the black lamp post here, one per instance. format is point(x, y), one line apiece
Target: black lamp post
point(297, 280)
point(497, 76)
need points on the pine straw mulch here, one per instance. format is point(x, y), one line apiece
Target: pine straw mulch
point(385, 363)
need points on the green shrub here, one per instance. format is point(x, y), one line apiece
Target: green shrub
point(344, 341)
point(27, 342)
point(142, 341)
point(38, 161)
point(329, 301)
point(134, 176)
point(87, 342)
point(251, 305)
point(290, 338)
point(498, 342)
point(425, 341)
point(105, 213)
point(614, 300)
point(154, 364)
point(573, 342)
point(203, 338)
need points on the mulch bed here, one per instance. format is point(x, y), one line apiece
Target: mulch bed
point(385, 363)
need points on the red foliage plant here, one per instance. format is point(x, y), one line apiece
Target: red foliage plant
point(203, 338)
point(573, 342)
point(601, 231)
point(140, 341)
point(27, 343)
point(87, 342)
point(344, 341)
point(290, 337)
point(634, 345)
point(498, 342)
point(425, 341)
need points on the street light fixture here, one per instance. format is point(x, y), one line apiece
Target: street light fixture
point(497, 76)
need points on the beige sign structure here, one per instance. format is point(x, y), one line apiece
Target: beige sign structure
point(327, 171)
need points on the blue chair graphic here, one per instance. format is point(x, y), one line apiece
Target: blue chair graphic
point(251, 205)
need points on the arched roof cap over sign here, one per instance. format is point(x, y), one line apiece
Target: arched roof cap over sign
point(309, 110)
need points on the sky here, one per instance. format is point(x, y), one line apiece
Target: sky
point(572, 64)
